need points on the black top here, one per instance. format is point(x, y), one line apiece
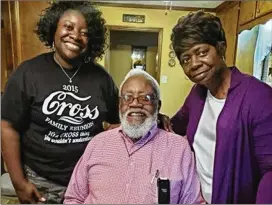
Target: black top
point(55, 118)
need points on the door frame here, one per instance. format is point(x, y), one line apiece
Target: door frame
point(139, 29)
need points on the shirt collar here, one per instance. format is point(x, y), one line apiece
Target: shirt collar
point(151, 133)
point(236, 78)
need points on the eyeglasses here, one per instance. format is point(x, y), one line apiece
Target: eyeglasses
point(142, 99)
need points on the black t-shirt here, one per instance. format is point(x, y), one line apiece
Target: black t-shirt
point(56, 119)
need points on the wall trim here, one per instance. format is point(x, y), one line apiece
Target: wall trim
point(178, 8)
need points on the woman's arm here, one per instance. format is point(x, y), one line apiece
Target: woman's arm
point(10, 139)
point(264, 195)
point(261, 124)
point(112, 126)
point(15, 107)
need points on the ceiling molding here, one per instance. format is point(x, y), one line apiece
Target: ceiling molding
point(179, 8)
point(132, 28)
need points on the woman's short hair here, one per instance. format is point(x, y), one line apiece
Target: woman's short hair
point(47, 25)
point(196, 28)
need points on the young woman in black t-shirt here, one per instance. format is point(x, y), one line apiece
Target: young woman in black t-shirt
point(56, 102)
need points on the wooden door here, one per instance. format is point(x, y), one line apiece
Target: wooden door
point(29, 12)
point(4, 65)
point(7, 56)
point(247, 11)
point(263, 7)
point(120, 62)
point(20, 19)
point(229, 20)
point(151, 63)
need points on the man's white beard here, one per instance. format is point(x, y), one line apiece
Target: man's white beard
point(136, 131)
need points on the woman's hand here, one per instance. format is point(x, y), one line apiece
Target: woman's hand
point(28, 193)
point(165, 123)
point(112, 126)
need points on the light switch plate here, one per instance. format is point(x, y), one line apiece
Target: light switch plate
point(163, 78)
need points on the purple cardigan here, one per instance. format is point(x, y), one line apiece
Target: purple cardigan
point(243, 153)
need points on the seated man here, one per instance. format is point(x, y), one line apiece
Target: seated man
point(122, 165)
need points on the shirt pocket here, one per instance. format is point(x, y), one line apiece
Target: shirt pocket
point(151, 192)
point(151, 196)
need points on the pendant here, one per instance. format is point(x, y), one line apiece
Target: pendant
point(70, 81)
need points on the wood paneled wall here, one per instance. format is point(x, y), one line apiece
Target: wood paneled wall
point(229, 19)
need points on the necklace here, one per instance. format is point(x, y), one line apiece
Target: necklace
point(70, 78)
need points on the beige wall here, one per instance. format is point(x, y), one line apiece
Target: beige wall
point(177, 87)
point(245, 50)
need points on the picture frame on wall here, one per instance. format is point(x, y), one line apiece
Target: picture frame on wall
point(138, 57)
point(172, 54)
point(133, 18)
point(172, 62)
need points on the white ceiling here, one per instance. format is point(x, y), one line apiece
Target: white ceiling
point(195, 4)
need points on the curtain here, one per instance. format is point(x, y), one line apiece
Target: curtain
point(263, 48)
point(246, 46)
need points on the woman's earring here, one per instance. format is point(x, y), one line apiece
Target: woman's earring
point(53, 46)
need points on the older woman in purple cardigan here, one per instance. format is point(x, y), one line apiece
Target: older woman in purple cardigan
point(227, 116)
